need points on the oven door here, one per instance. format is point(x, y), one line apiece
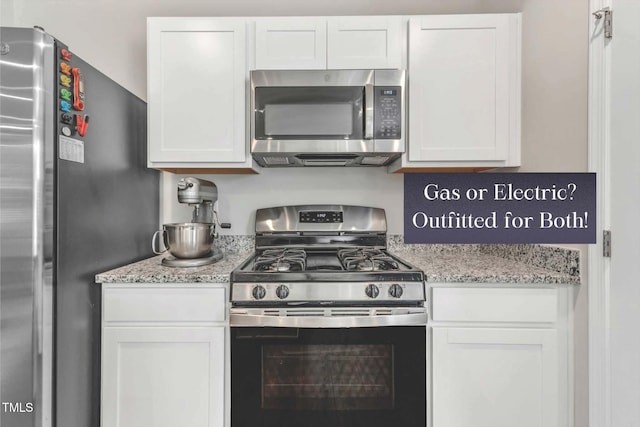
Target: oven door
point(329, 376)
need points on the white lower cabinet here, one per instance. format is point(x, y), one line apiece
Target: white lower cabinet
point(163, 370)
point(159, 377)
point(493, 377)
point(500, 357)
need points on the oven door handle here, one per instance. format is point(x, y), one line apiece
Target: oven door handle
point(242, 317)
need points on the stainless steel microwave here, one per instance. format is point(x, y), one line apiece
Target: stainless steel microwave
point(327, 118)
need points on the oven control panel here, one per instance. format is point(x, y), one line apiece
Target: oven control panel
point(321, 216)
point(327, 292)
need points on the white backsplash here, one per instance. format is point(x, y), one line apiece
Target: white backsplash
point(240, 195)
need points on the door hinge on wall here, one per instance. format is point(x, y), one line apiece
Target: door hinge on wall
point(607, 13)
point(606, 243)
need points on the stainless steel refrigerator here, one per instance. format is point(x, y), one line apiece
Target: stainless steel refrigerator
point(76, 199)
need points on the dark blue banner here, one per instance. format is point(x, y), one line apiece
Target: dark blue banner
point(500, 208)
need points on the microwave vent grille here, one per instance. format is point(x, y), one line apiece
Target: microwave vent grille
point(276, 161)
point(375, 160)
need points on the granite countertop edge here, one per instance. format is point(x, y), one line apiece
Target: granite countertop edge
point(551, 278)
point(151, 270)
point(438, 268)
point(482, 268)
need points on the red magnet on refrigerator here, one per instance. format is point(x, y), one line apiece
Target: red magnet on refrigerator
point(82, 123)
point(78, 89)
point(65, 54)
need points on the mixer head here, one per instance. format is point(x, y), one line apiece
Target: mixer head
point(196, 191)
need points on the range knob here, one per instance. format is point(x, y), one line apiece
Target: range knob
point(372, 291)
point(259, 292)
point(395, 290)
point(282, 291)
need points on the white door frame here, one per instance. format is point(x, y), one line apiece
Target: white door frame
point(599, 266)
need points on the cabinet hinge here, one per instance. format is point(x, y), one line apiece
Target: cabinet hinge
point(606, 243)
point(607, 13)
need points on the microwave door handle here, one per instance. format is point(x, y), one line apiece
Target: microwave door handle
point(368, 111)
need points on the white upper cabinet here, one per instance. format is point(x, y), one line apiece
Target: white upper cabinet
point(463, 83)
point(291, 44)
point(197, 75)
point(364, 42)
point(464, 91)
point(356, 42)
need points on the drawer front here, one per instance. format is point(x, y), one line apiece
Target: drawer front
point(149, 304)
point(494, 305)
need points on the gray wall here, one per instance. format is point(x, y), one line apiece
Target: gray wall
point(112, 36)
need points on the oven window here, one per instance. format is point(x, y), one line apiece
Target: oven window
point(327, 377)
point(355, 377)
point(327, 112)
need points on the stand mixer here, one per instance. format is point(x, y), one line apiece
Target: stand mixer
point(201, 194)
point(192, 244)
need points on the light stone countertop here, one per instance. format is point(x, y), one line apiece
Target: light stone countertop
point(452, 267)
point(438, 266)
point(151, 270)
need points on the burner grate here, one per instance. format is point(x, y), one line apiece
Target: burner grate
point(366, 259)
point(281, 260)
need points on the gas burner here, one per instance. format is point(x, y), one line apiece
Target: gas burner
point(281, 260)
point(320, 255)
point(366, 259)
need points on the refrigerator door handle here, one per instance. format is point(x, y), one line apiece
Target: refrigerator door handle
point(38, 317)
point(41, 100)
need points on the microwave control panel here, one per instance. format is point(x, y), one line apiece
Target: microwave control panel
point(387, 112)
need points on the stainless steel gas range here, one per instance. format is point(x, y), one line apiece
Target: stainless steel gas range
point(327, 326)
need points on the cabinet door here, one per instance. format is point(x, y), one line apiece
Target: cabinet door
point(486, 377)
point(364, 42)
point(463, 87)
point(163, 376)
point(291, 44)
point(196, 71)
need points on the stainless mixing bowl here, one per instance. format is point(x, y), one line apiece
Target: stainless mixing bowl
point(187, 239)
